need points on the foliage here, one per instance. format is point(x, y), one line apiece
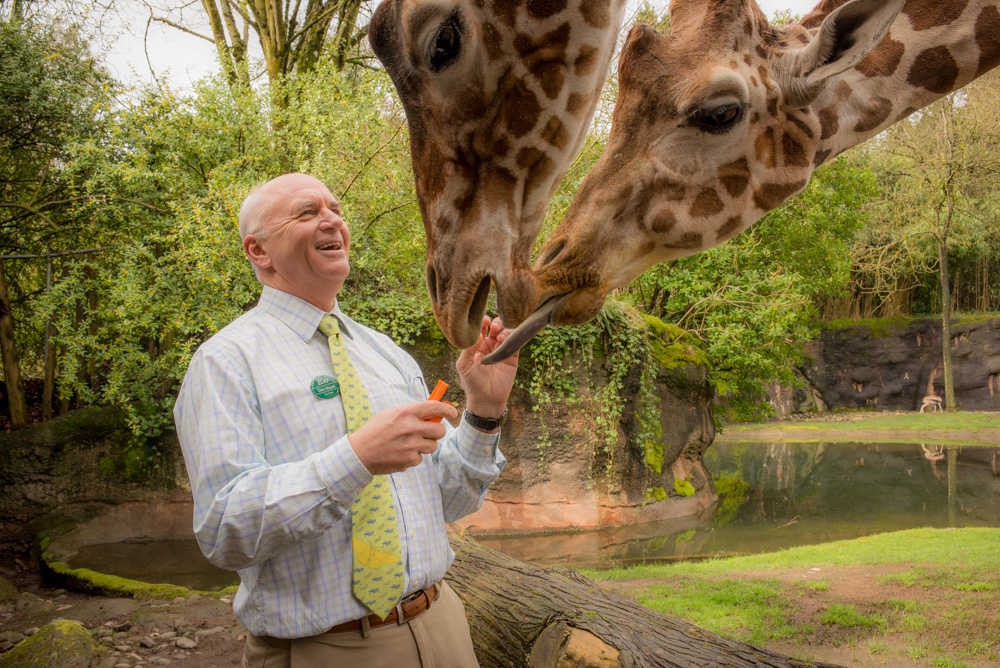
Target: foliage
point(750, 302)
point(129, 320)
point(620, 342)
point(52, 94)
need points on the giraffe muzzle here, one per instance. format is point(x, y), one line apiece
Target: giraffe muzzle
point(527, 330)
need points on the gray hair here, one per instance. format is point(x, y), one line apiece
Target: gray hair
point(254, 212)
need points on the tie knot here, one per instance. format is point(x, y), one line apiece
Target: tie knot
point(329, 325)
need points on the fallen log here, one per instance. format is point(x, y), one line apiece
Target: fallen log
point(525, 616)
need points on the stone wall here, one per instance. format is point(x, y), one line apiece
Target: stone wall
point(54, 470)
point(892, 364)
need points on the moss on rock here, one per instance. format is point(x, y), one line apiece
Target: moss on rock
point(113, 585)
point(61, 644)
point(683, 487)
point(669, 346)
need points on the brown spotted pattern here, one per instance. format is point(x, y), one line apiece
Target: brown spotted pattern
point(884, 60)
point(874, 114)
point(927, 15)
point(988, 39)
point(934, 69)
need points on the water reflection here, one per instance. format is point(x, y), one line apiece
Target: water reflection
point(178, 562)
point(779, 495)
point(772, 496)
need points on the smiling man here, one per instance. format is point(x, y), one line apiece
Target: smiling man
point(316, 470)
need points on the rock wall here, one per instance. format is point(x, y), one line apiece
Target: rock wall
point(57, 470)
point(565, 484)
point(54, 470)
point(892, 364)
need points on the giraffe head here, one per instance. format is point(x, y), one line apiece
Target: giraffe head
point(498, 96)
point(716, 124)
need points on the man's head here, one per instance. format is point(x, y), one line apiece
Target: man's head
point(294, 236)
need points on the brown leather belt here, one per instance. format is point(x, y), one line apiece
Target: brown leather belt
point(409, 607)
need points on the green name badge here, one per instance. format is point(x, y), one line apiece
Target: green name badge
point(325, 387)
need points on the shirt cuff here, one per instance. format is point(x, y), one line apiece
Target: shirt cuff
point(477, 447)
point(344, 474)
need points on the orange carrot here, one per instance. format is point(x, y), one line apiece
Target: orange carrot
point(437, 395)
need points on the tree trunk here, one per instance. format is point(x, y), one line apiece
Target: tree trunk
point(523, 616)
point(949, 378)
point(11, 366)
point(48, 389)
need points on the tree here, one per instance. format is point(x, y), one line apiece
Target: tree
point(943, 166)
point(51, 93)
point(178, 169)
point(751, 301)
point(292, 37)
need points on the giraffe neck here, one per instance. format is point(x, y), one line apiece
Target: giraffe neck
point(933, 48)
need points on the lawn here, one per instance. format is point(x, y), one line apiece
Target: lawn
point(924, 597)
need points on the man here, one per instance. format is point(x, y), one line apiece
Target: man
point(288, 471)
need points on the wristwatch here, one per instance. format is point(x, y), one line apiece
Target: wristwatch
point(480, 422)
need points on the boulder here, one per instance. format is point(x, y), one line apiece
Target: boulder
point(8, 593)
point(61, 644)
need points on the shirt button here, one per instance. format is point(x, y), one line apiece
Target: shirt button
point(399, 484)
point(413, 534)
point(487, 450)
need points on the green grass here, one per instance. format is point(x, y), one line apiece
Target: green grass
point(975, 549)
point(841, 614)
point(907, 422)
point(817, 585)
point(752, 610)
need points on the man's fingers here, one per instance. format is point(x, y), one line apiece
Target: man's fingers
point(429, 409)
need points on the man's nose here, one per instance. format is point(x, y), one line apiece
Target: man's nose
point(331, 219)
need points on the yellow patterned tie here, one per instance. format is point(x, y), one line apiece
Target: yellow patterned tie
point(378, 566)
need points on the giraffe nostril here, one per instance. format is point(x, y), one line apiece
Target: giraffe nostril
point(432, 284)
point(553, 253)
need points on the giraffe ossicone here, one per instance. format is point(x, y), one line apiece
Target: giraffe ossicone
point(727, 116)
point(498, 96)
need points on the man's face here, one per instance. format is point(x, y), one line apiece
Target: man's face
point(306, 248)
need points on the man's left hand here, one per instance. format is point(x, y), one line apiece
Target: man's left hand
point(487, 386)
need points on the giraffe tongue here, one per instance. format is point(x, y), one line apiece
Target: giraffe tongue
point(524, 332)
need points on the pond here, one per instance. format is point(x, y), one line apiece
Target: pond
point(773, 496)
point(779, 495)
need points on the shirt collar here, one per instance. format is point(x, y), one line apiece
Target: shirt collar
point(299, 315)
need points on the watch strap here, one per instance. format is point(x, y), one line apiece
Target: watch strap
point(483, 422)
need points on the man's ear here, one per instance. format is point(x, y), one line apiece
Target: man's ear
point(846, 36)
point(256, 252)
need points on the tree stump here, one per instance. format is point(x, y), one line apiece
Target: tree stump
point(524, 616)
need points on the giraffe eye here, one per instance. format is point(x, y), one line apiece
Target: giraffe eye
point(446, 45)
point(717, 120)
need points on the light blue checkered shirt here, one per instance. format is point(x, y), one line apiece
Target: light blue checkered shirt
point(273, 475)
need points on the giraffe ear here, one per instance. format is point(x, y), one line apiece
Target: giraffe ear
point(846, 36)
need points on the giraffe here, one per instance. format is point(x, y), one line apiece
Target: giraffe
point(726, 117)
point(498, 95)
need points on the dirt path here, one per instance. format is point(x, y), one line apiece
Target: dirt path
point(132, 632)
point(922, 616)
point(906, 615)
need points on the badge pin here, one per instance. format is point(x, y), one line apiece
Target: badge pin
point(325, 387)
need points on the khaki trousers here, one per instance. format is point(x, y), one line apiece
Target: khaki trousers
point(437, 638)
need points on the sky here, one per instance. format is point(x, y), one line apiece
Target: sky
point(180, 59)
